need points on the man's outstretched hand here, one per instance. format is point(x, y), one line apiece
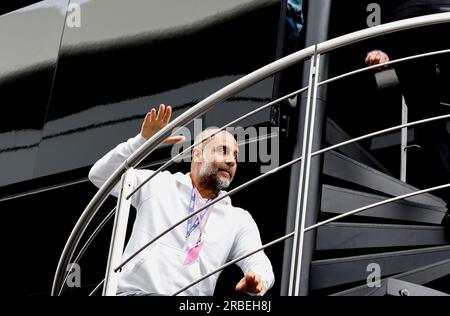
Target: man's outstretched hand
point(154, 122)
point(376, 57)
point(251, 283)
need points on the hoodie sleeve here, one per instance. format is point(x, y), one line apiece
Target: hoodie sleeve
point(106, 165)
point(248, 239)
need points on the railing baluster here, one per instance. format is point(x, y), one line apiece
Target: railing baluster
point(308, 135)
point(216, 98)
point(118, 234)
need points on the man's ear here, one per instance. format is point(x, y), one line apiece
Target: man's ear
point(196, 155)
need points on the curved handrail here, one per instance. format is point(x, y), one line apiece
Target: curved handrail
point(361, 209)
point(380, 203)
point(172, 160)
point(163, 167)
point(291, 234)
point(88, 243)
point(168, 163)
point(290, 163)
point(275, 170)
point(274, 242)
point(211, 101)
point(388, 63)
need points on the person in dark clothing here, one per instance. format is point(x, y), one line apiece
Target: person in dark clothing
point(424, 82)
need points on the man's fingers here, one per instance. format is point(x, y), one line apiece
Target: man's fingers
point(155, 120)
point(148, 117)
point(376, 57)
point(369, 59)
point(167, 115)
point(152, 115)
point(173, 139)
point(240, 286)
point(258, 284)
point(384, 59)
point(262, 292)
point(251, 283)
point(260, 287)
point(162, 109)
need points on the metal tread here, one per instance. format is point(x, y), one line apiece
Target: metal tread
point(335, 134)
point(337, 236)
point(345, 168)
point(339, 200)
point(332, 272)
point(421, 275)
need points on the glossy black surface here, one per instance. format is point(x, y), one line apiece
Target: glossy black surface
point(30, 39)
point(113, 68)
point(13, 5)
point(126, 57)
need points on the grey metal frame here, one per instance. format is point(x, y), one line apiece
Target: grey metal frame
point(421, 275)
point(303, 187)
point(292, 233)
point(404, 142)
point(402, 288)
point(290, 163)
point(118, 234)
point(235, 87)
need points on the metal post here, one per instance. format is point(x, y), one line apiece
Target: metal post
point(295, 274)
point(318, 17)
point(118, 235)
point(303, 191)
point(404, 141)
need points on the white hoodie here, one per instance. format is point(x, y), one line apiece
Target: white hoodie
point(230, 232)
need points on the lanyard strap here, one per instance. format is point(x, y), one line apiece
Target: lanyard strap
point(202, 227)
point(193, 224)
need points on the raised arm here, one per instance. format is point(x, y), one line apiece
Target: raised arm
point(152, 123)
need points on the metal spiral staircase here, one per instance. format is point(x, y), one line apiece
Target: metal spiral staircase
point(401, 237)
point(387, 222)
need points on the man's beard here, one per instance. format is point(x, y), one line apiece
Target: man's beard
point(211, 179)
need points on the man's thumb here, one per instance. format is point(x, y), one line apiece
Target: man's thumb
point(240, 285)
point(173, 139)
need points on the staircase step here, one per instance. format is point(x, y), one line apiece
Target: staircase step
point(335, 135)
point(333, 272)
point(338, 200)
point(335, 236)
point(342, 167)
point(420, 275)
point(397, 287)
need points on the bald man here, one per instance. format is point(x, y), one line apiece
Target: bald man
point(216, 235)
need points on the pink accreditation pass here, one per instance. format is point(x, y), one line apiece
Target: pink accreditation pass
point(193, 253)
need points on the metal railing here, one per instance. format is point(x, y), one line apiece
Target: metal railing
point(313, 52)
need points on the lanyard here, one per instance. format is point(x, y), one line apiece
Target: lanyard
point(195, 221)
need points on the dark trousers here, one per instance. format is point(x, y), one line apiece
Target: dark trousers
point(425, 84)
